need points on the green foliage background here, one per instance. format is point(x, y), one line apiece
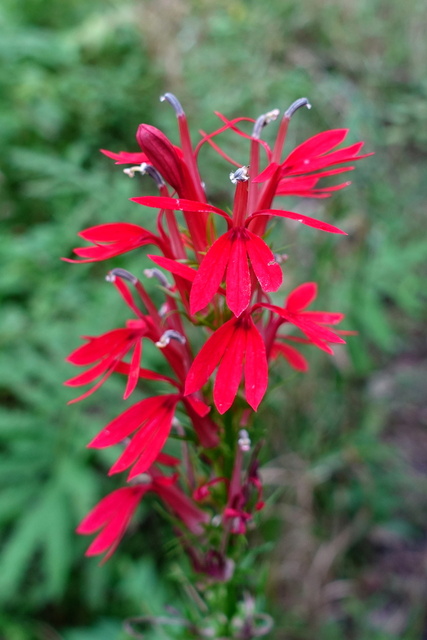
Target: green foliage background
point(348, 439)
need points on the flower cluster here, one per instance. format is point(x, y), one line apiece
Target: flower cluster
point(216, 288)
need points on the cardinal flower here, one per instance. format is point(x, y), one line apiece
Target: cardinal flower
point(238, 252)
point(235, 348)
point(295, 175)
point(311, 323)
point(106, 352)
point(111, 240)
point(111, 516)
point(151, 419)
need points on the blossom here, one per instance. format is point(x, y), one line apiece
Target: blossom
point(232, 252)
point(112, 515)
point(309, 322)
point(105, 353)
point(111, 240)
point(114, 512)
point(151, 419)
point(234, 348)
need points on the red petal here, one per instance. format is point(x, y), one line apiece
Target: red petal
point(310, 222)
point(348, 154)
point(323, 316)
point(315, 331)
point(145, 374)
point(256, 367)
point(116, 511)
point(99, 346)
point(127, 296)
point(267, 173)
point(315, 146)
point(301, 297)
point(200, 407)
point(294, 357)
point(238, 290)
point(180, 204)
point(134, 370)
point(148, 442)
point(113, 232)
point(91, 374)
point(266, 269)
point(208, 357)
point(144, 447)
point(210, 273)
point(177, 268)
point(123, 157)
point(230, 371)
point(127, 422)
point(192, 517)
point(107, 508)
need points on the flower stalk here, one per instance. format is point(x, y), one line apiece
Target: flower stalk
point(219, 333)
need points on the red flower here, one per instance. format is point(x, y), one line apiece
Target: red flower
point(310, 156)
point(310, 322)
point(235, 347)
point(231, 252)
point(107, 351)
point(152, 420)
point(113, 514)
point(112, 240)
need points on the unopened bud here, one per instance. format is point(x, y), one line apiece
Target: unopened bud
point(169, 335)
point(240, 175)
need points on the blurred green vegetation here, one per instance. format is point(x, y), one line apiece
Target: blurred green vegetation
point(349, 437)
